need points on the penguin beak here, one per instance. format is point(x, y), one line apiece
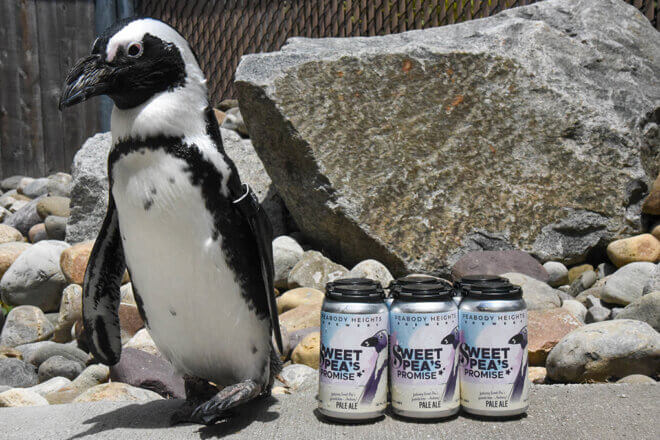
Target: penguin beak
point(370, 342)
point(89, 77)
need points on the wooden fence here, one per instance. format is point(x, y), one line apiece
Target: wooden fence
point(39, 41)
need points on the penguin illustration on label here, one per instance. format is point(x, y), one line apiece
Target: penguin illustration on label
point(519, 384)
point(379, 343)
point(453, 340)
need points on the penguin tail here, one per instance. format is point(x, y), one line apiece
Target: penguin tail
point(275, 364)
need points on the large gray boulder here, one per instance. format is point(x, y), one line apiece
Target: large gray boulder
point(89, 196)
point(533, 129)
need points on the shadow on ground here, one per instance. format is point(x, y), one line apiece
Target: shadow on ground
point(156, 415)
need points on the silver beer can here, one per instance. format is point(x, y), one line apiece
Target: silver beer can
point(493, 350)
point(353, 366)
point(423, 352)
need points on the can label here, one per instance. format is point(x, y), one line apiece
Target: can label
point(424, 361)
point(493, 360)
point(353, 365)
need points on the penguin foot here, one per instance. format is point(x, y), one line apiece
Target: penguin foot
point(198, 391)
point(218, 407)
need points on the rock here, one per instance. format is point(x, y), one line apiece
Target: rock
point(315, 270)
point(55, 227)
point(57, 366)
point(252, 172)
point(59, 185)
point(646, 308)
point(372, 269)
point(48, 349)
point(576, 308)
point(24, 218)
point(586, 280)
point(116, 392)
point(234, 121)
point(299, 377)
point(142, 341)
point(126, 294)
point(36, 188)
point(10, 183)
point(130, 321)
point(653, 284)
point(227, 104)
point(398, 106)
point(592, 301)
point(596, 291)
point(59, 206)
point(24, 324)
point(557, 273)
point(597, 314)
point(21, 397)
point(89, 193)
point(297, 297)
point(538, 295)
point(627, 283)
point(651, 204)
point(9, 352)
point(9, 252)
point(295, 337)
point(575, 272)
point(25, 181)
point(286, 254)
point(35, 277)
point(537, 374)
point(74, 261)
point(304, 316)
point(606, 349)
point(643, 247)
point(17, 373)
point(308, 351)
point(9, 234)
point(498, 263)
point(37, 233)
point(563, 296)
point(637, 378)
point(614, 312)
point(605, 269)
point(90, 377)
point(50, 386)
point(144, 370)
point(219, 116)
point(70, 312)
point(4, 213)
point(655, 230)
point(545, 329)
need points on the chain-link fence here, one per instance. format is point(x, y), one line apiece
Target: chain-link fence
point(221, 31)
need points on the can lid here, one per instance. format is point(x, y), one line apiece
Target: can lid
point(469, 280)
point(354, 289)
point(423, 292)
point(493, 290)
point(409, 280)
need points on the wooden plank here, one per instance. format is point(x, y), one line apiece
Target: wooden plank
point(51, 83)
point(11, 123)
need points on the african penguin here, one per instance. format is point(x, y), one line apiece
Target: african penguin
point(196, 243)
point(379, 342)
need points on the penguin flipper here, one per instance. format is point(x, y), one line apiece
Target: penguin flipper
point(101, 284)
point(262, 231)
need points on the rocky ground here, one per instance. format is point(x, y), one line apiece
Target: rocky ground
point(594, 301)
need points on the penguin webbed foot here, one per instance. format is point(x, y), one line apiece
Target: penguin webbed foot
point(219, 407)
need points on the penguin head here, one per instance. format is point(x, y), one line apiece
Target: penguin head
point(451, 338)
point(378, 341)
point(520, 338)
point(131, 62)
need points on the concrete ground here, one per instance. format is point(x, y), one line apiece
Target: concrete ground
point(563, 412)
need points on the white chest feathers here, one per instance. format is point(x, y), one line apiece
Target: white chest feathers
point(191, 298)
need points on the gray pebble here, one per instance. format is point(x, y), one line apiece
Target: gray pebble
point(59, 366)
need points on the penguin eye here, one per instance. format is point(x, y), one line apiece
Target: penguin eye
point(134, 50)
